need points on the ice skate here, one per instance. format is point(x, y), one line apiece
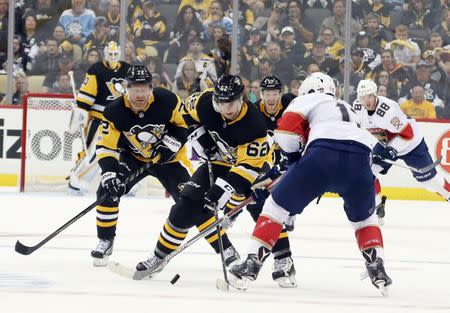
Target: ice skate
point(245, 272)
point(376, 271)
point(150, 265)
point(284, 272)
point(102, 252)
point(231, 256)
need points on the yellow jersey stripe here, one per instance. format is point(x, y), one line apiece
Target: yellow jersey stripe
point(107, 208)
point(215, 237)
point(106, 224)
point(206, 224)
point(166, 244)
point(173, 232)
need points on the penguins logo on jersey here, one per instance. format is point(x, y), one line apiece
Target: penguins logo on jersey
point(116, 87)
point(229, 154)
point(144, 138)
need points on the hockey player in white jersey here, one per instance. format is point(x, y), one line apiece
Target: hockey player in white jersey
point(399, 137)
point(336, 159)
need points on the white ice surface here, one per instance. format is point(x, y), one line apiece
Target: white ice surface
point(60, 278)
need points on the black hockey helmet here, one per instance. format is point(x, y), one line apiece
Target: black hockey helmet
point(138, 74)
point(271, 83)
point(228, 88)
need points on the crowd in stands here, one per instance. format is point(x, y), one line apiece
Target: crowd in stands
point(403, 46)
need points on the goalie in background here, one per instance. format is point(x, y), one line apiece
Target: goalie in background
point(145, 125)
point(104, 82)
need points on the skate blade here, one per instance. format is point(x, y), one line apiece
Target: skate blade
point(222, 285)
point(381, 221)
point(287, 282)
point(100, 262)
point(384, 289)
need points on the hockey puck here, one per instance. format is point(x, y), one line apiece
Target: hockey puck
point(175, 279)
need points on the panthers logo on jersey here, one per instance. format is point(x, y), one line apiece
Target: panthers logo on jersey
point(144, 138)
point(380, 134)
point(229, 154)
point(116, 87)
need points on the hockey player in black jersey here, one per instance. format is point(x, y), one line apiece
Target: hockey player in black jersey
point(104, 82)
point(272, 105)
point(144, 125)
point(233, 136)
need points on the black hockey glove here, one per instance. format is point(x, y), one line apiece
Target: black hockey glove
point(381, 153)
point(289, 158)
point(166, 148)
point(218, 195)
point(113, 185)
point(259, 191)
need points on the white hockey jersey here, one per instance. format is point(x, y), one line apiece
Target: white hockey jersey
point(390, 125)
point(319, 116)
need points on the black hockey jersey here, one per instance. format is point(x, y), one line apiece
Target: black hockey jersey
point(243, 143)
point(271, 119)
point(122, 129)
point(101, 86)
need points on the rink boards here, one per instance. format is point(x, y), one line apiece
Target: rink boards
point(398, 184)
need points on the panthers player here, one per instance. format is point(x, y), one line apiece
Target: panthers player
point(144, 125)
point(104, 82)
point(335, 161)
point(272, 105)
point(399, 137)
point(232, 134)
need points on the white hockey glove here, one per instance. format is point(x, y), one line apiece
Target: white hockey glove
point(79, 118)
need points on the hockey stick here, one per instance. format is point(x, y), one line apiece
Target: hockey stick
point(219, 236)
point(139, 275)
point(414, 169)
point(26, 250)
point(74, 91)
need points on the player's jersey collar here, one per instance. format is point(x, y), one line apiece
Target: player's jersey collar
point(262, 108)
point(241, 114)
point(126, 99)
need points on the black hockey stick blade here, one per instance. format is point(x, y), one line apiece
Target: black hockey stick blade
point(27, 250)
point(22, 249)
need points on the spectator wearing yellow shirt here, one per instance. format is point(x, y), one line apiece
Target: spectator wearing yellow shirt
point(417, 106)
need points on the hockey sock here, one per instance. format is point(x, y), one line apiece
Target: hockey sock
point(169, 239)
point(282, 248)
point(106, 221)
point(265, 235)
point(370, 237)
point(212, 237)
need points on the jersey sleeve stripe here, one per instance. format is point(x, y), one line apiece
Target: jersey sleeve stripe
point(82, 97)
point(104, 152)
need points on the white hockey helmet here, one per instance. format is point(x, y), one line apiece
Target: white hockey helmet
point(366, 87)
point(317, 82)
point(112, 54)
